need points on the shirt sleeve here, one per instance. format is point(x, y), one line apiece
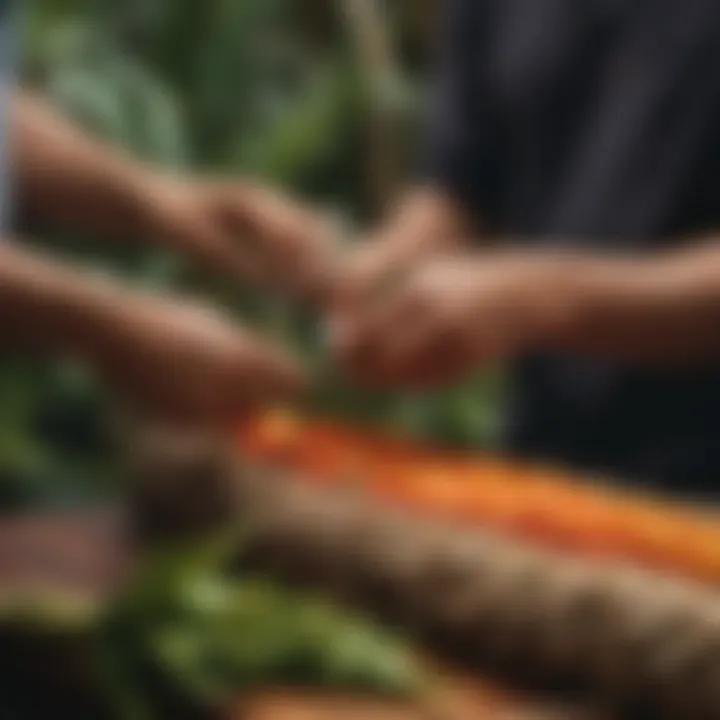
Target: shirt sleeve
point(461, 144)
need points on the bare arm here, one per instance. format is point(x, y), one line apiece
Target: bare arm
point(659, 309)
point(69, 178)
point(166, 357)
point(453, 315)
point(236, 228)
point(47, 307)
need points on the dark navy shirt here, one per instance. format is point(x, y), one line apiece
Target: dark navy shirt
point(593, 123)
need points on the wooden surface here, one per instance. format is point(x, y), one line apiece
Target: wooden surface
point(88, 551)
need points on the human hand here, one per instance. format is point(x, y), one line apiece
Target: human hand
point(187, 363)
point(429, 223)
point(449, 317)
point(244, 231)
point(369, 271)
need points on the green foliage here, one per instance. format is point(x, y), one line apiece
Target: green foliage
point(310, 131)
point(224, 86)
point(187, 628)
point(208, 636)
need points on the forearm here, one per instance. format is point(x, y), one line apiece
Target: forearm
point(663, 309)
point(69, 179)
point(47, 307)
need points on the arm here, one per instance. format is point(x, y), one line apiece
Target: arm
point(660, 309)
point(68, 178)
point(167, 358)
point(235, 228)
point(452, 316)
point(48, 308)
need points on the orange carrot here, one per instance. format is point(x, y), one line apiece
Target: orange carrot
point(545, 505)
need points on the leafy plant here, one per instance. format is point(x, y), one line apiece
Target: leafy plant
point(208, 636)
point(185, 630)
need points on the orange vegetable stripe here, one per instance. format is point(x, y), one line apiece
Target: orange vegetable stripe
point(541, 504)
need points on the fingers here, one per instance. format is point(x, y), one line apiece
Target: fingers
point(188, 365)
point(295, 247)
point(408, 348)
point(214, 399)
point(419, 330)
point(365, 300)
point(367, 341)
point(371, 271)
point(253, 376)
point(313, 260)
point(210, 247)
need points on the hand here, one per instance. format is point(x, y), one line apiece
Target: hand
point(186, 363)
point(427, 224)
point(243, 231)
point(368, 272)
point(448, 318)
point(370, 266)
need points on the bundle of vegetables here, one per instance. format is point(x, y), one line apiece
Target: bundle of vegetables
point(543, 505)
point(184, 637)
point(643, 644)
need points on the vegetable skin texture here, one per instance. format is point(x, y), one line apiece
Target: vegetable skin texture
point(544, 505)
point(634, 640)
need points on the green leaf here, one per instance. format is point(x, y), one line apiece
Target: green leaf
point(91, 99)
point(306, 134)
point(212, 634)
point(153, 117)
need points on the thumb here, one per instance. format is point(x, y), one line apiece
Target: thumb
point(360, 285)
point(354, 277)
point(374, 269)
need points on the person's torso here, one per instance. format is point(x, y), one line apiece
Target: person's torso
point(607, 116)
point(607, 127)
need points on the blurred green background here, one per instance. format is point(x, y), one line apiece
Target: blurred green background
point(325, 98)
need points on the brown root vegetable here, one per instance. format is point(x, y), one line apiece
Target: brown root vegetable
point(642, 644)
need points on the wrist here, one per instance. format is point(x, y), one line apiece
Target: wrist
point(121, 204)
point(556, 301)
point(139, 204)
